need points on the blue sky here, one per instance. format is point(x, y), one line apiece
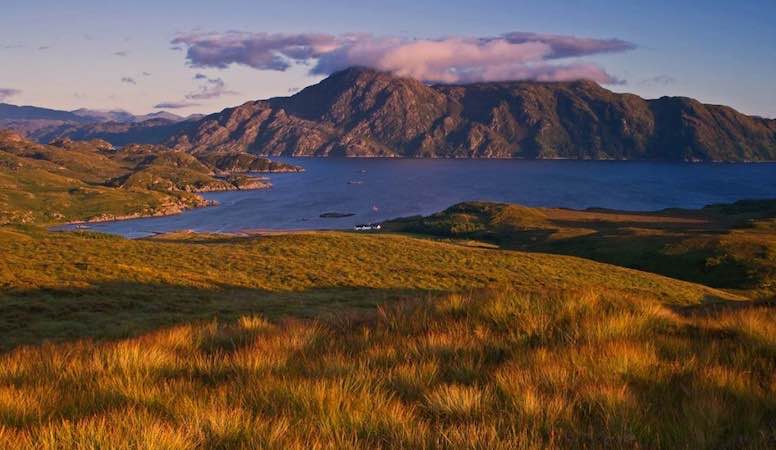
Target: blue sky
point(76, 53)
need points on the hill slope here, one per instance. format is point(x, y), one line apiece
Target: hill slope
point(726, 246)
point(362, 112)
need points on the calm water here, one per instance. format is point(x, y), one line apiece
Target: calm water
point(379, 189)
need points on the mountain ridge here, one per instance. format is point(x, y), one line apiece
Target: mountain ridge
point(364, 112)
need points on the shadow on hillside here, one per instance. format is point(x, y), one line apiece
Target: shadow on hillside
point(650, 253)
point(613, 226)
point(715, 306)
point(119, 310)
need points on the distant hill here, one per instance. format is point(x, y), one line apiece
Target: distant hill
point(724, 246)
point(13, 112)
point(44, 124)
point(152, 131)
point(104, 116)
point(121, 116)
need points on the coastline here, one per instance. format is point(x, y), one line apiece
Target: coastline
point(175, 209)
point(113, 218)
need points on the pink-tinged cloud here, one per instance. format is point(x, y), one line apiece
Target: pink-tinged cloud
point(258, 50)
point(570, 46)
point(8, 92)
point(510, 56)
point(539, 72)
point(208, 89)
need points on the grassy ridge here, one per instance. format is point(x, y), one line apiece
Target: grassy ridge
point(588, 368)
point(69, 285)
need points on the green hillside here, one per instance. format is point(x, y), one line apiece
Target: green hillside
point(726, 246)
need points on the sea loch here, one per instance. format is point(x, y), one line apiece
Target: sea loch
point(373, 190)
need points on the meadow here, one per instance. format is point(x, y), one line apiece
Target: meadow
point(341, 340)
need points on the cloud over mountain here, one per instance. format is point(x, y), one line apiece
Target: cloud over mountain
point(516, 55)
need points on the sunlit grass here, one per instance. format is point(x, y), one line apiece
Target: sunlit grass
point(503, 368)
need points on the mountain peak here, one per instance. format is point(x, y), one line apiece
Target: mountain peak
point(357, 71)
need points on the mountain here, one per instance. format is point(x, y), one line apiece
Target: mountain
point(121, 116)
point(43, 124)
point(160, 115)
point(10, 112)
point(29, 119)
point(363, 112)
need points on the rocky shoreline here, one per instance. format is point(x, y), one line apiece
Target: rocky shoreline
point(176, 208)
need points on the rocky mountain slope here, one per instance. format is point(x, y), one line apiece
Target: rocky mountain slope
point(362, 112)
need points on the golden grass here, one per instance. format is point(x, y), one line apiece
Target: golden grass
point(62, 286)
point(503, 368)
